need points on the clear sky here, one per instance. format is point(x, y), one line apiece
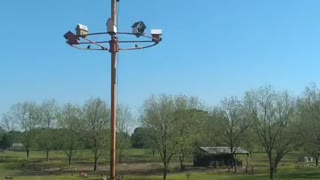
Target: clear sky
point(211, 49)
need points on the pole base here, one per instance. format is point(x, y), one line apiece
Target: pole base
point(117, 178)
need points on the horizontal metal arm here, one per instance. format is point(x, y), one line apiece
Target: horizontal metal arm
point(102, 48)
point(104, 42)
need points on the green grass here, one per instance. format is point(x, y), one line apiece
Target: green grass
point(285, 174)
point(16, 164)
point(45, 177)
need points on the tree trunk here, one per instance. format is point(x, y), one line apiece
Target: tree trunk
point(95, 164)
point(271, 167)
point(165, 169)
point(120, 157)
point(96, 157)
point(247, 163)
point(182, 166)
point(69, 156)
point(273, 172)
point(69, 160)
point(235, 163)
point(47, 154)
point(28, 152)
point(316, 158)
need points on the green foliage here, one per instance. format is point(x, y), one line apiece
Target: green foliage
point(211, 127)
point(140, 138)
point(5, 141)
point(172, 122)
point(173, 125)
point(189, 121)
point(28, 117)
point(8, 138)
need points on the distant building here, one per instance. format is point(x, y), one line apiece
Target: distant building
point(17, 147)
point(216, 156)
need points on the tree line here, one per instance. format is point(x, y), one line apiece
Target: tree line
point(175, 126)
point(264, 119)
point(47, 127)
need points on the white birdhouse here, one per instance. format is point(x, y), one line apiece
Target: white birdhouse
point(156, 34)
point(82, 30)
point(111, 27)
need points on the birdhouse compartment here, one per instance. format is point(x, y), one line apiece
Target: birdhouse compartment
point(71, 38)
point(82, 30)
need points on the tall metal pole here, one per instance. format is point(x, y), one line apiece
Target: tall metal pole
point(113, 50)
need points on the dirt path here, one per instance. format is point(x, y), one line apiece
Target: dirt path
point(138, 169)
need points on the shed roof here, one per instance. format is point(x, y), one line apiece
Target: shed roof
point(17, 145)
point(223, 150)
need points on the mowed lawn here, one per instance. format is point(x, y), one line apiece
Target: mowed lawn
point(14, 163)
point(288, 174)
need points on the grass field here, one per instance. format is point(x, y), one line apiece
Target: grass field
point(36, 167)
point(287, 174)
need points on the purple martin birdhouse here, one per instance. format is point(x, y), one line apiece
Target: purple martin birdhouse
point(71, 38)
point(82, 30)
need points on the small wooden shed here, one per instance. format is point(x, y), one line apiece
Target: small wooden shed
point(216, 156)
point(17, 147)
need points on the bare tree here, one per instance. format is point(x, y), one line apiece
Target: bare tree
point(8, 123)
point(125, 124)
point(250, 142)
point(94, 124)
point(271, 116)
point(69, 124)
point(27, 116)
point(309, 111)
point(49, 114)
point(232, 115)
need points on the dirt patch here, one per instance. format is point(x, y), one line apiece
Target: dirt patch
point(136, 169)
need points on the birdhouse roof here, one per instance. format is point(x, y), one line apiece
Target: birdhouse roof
point(156, 31)
point(138, 23)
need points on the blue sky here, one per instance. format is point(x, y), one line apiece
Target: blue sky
point(212, 49)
